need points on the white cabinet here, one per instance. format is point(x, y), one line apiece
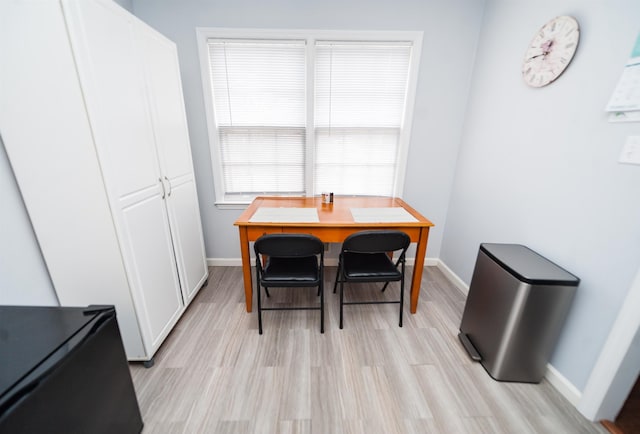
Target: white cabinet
point(172, 140)
point(92, 117)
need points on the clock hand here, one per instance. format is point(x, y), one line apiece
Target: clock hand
point(546, 47)
point(544, 53)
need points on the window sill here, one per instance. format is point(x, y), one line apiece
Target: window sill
point(232, 205)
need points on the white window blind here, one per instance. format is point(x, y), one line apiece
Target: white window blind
point(360, 99)
point(299, 112)
point(259, 97)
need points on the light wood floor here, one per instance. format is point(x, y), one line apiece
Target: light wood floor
point(215, 374)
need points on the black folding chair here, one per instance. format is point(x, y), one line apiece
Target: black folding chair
point(367, 257)
point(290, 260)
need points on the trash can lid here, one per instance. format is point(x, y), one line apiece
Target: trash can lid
point(527, 265)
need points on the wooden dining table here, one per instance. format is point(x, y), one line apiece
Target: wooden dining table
point(332, 223)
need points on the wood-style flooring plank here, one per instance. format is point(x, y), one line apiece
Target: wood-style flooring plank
point(216, 374)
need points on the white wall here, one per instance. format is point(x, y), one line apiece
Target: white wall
point(24, 279)
point(450, 30)
point(618, 365)
point(539, 166)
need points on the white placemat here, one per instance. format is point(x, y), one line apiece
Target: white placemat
point(285, 215)
point(382, 215)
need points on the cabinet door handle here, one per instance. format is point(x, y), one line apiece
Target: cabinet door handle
point(164, 192)
point(170, 189)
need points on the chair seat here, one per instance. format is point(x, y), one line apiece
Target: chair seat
point(369, 267)
point(290, 272)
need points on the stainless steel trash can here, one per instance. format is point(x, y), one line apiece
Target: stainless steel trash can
point(516, 306)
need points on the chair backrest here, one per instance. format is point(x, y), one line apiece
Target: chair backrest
point(381, 241)
point(288, 245)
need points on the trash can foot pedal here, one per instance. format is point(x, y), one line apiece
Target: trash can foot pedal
point(471, 350)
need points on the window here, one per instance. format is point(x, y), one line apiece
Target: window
point(301, 112)
point(258, 93)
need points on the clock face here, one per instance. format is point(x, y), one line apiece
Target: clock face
point(550, 51)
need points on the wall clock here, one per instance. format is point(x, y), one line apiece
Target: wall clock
point(550, 51)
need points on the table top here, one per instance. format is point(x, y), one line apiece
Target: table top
point(333, 214)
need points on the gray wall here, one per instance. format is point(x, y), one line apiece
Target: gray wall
point(539, 166)
point(450, 30)
point(125, 4)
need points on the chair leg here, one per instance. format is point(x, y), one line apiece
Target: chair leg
point(321, 289)
point(385, 286)
point(267, 292)
point(260, 311)
point(401, 298)
point(341, 302)
point(335, 283)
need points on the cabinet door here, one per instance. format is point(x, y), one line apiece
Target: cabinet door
point(174, 151)
point(112, 79)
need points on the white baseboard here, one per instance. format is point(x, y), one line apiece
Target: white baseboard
point(453, 277)
point(563, 386)
point(331, 262)
point(428, 262)
point(224, 262)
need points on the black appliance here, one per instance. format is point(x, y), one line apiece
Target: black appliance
point(64, 370)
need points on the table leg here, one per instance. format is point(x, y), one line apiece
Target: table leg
point(421, 250)
point(246, 267)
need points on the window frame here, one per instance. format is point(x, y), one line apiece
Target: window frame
point(310, 36)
